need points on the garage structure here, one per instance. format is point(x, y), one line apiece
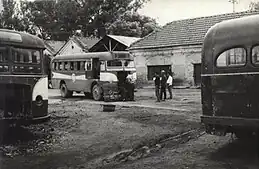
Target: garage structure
point(113, 43)
point(176, 47)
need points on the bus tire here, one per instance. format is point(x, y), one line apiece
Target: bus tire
point(97, 92)
point(65, 93)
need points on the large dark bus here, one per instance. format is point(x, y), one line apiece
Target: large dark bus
point(230, 77)
point(23, 81)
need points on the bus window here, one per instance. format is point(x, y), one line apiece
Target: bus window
point(255, 55)
point(114, 63)
point(53, 66)
point(71, 65)
point(232, 57)
point(102, 66)
point(82, 65)
point(60, 66)
point(36, 56)
point(66, 66)
point(31, 58)
point(88, 65)
point(129, 63)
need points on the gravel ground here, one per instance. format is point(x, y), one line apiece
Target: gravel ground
point(142, 134)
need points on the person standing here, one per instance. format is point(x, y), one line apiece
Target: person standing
point(170, 84)
point(157, 86)
point(163, 85)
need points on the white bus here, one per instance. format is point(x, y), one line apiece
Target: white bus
point(98, 75)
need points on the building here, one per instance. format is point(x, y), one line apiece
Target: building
point(177, 48)
point(113, 43)
point(77, 45)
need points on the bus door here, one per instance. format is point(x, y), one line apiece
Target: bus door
point(92, 69)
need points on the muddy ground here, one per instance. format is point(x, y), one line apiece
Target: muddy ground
point(140, 134)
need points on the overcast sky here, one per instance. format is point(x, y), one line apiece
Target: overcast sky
point(165, 11)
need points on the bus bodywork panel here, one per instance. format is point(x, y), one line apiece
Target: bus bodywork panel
point(10, 37)
point(230, 95)
point(18, 98)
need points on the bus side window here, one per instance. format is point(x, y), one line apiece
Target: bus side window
point(77, 66)
point(255, 55)
point(71, 65)
point(61, 66)
point(232, 57)
point(88, 65)
point(102, 66)
point(82, 65)
point(66, 66)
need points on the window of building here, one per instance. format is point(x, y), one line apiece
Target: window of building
point(232, 57)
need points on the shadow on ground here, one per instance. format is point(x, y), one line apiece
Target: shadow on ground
point(239, 153)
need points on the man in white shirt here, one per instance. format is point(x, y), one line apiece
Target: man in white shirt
point(170, 84)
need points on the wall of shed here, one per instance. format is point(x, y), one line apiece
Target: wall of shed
point(67, 49)
point(180, 58)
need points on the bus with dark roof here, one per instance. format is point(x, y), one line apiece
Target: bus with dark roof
point(230, 78)
point(23, 81)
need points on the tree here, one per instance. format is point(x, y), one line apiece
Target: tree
point(132, 24)
point(254, 6)
point(59, 19)
point(8, 17)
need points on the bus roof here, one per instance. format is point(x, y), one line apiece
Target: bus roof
point(11, 37)
point(101, 55)
point(233, 32)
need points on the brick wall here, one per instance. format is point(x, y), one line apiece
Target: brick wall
point(181, 60)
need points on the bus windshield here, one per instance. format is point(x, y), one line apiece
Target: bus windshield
point(26, 60)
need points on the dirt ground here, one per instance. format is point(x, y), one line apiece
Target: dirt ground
point(140, 134)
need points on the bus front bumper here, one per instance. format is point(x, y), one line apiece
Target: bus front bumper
point(26, 122)
point(230, 121)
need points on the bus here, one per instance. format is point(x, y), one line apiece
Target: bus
point(99, 75)
point(23, 81)
point(230, 78)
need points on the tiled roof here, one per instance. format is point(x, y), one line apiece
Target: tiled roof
point(54, 46)
point(86, 42)
point(184, 32)
point(126, 40)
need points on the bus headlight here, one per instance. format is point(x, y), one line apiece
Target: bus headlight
point(39, 100)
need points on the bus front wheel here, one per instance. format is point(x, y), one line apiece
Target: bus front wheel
point(97, 92)
point(65, 93)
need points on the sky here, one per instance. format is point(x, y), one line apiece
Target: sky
point(165, 11)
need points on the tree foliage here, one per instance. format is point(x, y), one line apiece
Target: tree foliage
point(59, 19)
point(254, 6)
point(132, 24)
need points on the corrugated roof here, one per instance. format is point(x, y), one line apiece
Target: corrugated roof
point(184, 32)
point(126, 40)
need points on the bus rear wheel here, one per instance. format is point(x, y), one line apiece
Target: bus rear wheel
point(65, 93)
point(97, 92)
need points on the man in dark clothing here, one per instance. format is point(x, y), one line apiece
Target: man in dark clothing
point(163, 85)
point(157, 86)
